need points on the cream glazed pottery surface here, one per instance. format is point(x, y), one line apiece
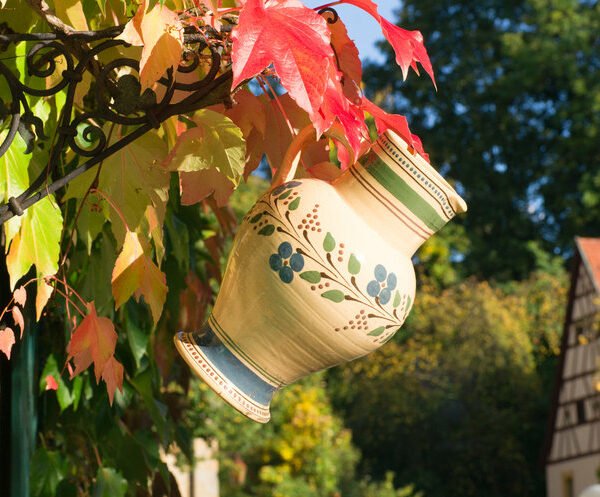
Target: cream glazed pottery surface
point(319, 274)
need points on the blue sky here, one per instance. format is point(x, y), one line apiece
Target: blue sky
point(362, 28)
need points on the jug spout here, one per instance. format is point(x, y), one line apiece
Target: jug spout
point(404, 198)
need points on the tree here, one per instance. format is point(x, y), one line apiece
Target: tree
point(126, 128)
point(456, 405)
point(515, 121)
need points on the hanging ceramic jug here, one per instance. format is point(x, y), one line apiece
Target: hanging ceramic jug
point(319, 274)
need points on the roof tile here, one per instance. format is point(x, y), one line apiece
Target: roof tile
point(590, 251)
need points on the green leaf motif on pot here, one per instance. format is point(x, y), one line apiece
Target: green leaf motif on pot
point(353, 265)
point(408, 303)
point(256, 218)
point(377, 331)
point(334, 295)
point(397, 299)
point(294, 205)
point(311, 276)
point(268, 230)
point(329, 242)
point(285, 195)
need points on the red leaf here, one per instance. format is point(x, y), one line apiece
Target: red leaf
point(112, 374)
point(292, 37)
point(51, 383)
point(93, 340)
point(20, 296)
point(408, 45)
point(7, 340)
point(18, 318)
point(396, 123)
point(337, 106)
point(348, 61)
point(192, 303)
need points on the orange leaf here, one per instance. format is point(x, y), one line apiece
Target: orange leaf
point(247, 112)
point(18, 318)
point(135, 273)
point(161, 33)
point(7, 340)
point(20, 296)
point(51, 383)
point(112, 374)
point(196, 186)
point(278, 136)
point(95, 338)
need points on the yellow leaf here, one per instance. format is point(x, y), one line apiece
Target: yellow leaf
point(161, 34)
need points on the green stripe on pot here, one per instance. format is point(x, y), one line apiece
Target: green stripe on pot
point(395, 185)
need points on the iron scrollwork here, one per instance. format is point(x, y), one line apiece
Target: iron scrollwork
point(115, 95)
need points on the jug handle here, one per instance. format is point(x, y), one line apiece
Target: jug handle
point(305, 137)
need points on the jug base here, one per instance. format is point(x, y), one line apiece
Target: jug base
point(225, 374)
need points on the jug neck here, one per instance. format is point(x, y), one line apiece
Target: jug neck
point(399, 194)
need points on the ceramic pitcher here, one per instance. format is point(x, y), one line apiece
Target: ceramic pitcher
point(319, 274)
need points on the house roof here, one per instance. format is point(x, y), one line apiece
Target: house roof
point(590, 253)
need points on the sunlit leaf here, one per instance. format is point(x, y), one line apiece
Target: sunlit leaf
point(292, 37)
point(37, 243)
point(94, 341)
point(161, 33)
point(135, 274)
point(7, 340)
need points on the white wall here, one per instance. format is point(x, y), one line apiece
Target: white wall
point(584, 474)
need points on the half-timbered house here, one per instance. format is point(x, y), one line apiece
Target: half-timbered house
point(572, 454)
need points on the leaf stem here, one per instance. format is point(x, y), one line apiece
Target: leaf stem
point(332, 4)
point(111, 202)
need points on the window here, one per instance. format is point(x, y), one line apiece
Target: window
point(580, 411)
point(568, 485)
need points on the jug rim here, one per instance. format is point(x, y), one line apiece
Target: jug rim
point(454, 199)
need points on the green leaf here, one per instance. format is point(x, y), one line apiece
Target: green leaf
point(353, 265)
point(77, 390)
point(268, 230)
point(335, 295)
point(294, 205)
point(311, 276)
point(329, 242)
point(109, 483)
point(37, 243)
point(137, 337)
point(285, 195)
point(180, 240)
point(215, 143)
point(47, 469)
point(14, 179)
point(63, 394)
point(132, 177)
point(96, 271)
point(377, 331)
point(256, 218)
point(397, 299)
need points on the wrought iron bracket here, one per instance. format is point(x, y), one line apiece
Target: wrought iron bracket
point(113, 85)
